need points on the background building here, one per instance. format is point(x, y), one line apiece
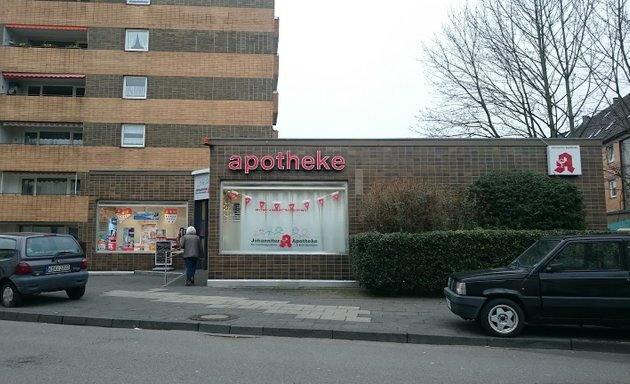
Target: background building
point(612, 126)
point(103, 107)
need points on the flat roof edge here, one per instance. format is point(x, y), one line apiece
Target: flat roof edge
point(420, 142)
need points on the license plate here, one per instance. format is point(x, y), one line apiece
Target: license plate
point(448, 303)
point(61, 268)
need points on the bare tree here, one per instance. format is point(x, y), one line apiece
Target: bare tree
point(613, 39)
point(511, 68)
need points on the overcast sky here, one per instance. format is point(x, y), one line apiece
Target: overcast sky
point(351, 68)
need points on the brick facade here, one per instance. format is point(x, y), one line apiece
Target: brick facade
point(447, 163)
point(189, 88)
point(212, 70)
point(172, 40)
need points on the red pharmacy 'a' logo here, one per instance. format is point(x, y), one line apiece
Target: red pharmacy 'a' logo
point(564, 163)
point(285, 242)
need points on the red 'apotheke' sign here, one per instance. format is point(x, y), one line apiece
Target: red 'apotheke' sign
point(287, 161)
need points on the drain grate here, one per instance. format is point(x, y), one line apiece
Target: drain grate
point(213, 317)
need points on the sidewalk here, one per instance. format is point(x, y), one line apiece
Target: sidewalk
point(142, 300)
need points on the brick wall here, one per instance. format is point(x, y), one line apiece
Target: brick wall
point(150, 111)
point(203, 3)
point(44, 209)
point(173, 136)
point(447, 163)
point(70, 158)
point(173, 40)
point(94, 14)
point(189, 88)
point(96, 62)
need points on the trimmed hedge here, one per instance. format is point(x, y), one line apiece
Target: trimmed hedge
point(525, 200)
point(421, 262)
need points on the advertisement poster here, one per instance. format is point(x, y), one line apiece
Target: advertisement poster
point(128, 238)
point(285, 221)
point(148, 237)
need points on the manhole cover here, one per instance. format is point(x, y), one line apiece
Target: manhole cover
point(212, 317)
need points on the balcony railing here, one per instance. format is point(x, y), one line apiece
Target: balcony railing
point(44, 209)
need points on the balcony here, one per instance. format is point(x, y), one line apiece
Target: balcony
point(41, 109)
point(45, 36)
point(41, 133)
point(44, 209)
point(43, 84)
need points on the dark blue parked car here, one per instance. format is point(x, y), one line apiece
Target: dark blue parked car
point(31, 263)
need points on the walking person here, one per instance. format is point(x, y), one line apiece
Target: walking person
point(191, 244)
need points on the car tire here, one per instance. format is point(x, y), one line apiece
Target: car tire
point(502, 317)
point(9, 295)
point(75, 293)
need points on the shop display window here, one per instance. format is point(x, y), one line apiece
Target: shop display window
point(136, 227)
point(284, 218)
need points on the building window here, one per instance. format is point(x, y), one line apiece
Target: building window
point(134, 87)
point(136, 40)
point(284, 218)
point(610, 154)
point(612, 187)
point(55, 90)
point(51, 186)
point(133, 227)
point(139, 2)
point(53, 138)
point(132, 135)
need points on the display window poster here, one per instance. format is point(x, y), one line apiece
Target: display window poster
point(284, 218)
point(132, 227)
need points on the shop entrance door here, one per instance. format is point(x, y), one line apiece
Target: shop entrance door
point(201, 224)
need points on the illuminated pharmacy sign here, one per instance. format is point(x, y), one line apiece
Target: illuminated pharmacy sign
point(287, 161)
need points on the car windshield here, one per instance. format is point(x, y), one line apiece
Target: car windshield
point(534, 254)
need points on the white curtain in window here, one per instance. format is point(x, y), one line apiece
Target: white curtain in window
point(285, 221)
point(52, 186)
point(137, 40)
point(135, 87)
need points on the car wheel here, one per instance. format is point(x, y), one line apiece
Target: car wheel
point(75, 293)
point(10, 296)
point(502, 317)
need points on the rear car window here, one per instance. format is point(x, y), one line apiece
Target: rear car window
point(6, 243)
point(51, 245)
point(7, 248)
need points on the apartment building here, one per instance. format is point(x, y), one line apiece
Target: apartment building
point(104, 105)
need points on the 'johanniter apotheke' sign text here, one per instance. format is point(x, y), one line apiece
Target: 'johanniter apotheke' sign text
point(287, 161)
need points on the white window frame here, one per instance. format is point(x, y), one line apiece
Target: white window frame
point(234, 206)
point(610, 154)
point(146, 229)
point(131, 129)
point(612, 188)
point(130, 92)
point(133, 36)
point(139, 2)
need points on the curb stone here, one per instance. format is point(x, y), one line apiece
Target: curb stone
point(405, 338)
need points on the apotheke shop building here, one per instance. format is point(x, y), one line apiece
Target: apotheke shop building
point(282, 209)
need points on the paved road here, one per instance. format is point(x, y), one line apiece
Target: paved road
point(143, 300)
point(53, 353)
